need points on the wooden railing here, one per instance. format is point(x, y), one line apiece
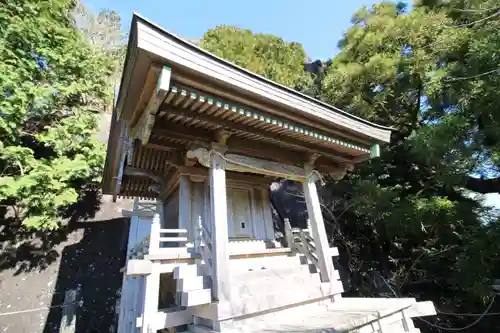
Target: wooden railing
point(160, 238)
point(301, 241)
point(204, 244)
point(308, 246)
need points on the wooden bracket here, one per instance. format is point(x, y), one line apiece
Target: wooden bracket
point(313, 157)
point(142, 129)
point(222, 135)
point(341, 172)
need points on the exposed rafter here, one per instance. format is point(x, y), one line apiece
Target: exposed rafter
point(142, 129)
point(171, 185)
point(158, 178)
point(279, 139)
point(190, 97)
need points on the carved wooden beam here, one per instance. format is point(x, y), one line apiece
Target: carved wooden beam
point(142, 129)
point(157, 146)
point(241, 163)
point(254, 148)
point(201, 138)
point(156, 177)
point(186, 134)
point(200, 174)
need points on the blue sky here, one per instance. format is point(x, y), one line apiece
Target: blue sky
point(317, 26)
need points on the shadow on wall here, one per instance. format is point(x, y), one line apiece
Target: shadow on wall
point(27, 250)
point(38, 269)
point(91, 270)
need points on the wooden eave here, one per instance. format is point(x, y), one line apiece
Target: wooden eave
point(208, 95)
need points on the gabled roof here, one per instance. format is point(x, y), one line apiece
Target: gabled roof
point(206, 94)
point(161, 44)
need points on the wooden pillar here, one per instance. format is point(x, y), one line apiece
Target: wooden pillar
point(151, 299)
point(198, 207)
point(220, 239)
point(317, 226)
point(185, 207)
point(152, 281)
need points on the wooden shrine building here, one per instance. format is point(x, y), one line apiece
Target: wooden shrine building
point(197, 142)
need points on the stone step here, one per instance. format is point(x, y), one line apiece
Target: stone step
point(271, 282)
point(257, 277)
point(271, 297)
point(193, 283)
point(196, 297)
point(239, 265)
point(187, 271)
point(200, 329)
point(253, 279)
point(249, 246)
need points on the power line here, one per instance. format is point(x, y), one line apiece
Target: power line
point(457, 314)
point(467, 10)
point(80, 303)
point(461, 328)
point(454, 329)
point(453, 79)
point(474, 22)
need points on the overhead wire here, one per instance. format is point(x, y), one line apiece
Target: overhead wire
point(461, 78)
point(469, 10)
point(454, 329)
point(80, 303)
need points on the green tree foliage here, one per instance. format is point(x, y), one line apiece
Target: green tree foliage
point(428, 74)
point(266, 55)
point(52, 85)
point(414, 214)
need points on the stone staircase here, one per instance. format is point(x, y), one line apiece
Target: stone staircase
point(193, 285)
point(353, 315)
point(257, 284)
point(282, 293)
point(264, 284)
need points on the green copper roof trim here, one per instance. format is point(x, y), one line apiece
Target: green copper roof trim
point(164, 79)
point(374, 151)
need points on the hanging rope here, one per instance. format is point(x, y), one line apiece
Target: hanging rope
point(222, 156)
